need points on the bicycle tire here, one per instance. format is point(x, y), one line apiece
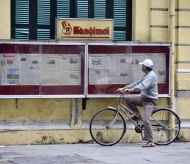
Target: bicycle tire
point(100, 130)
point(165, 134)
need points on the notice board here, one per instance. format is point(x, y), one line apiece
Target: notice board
point(41, 69)
point(114, 66)
point(78, 69)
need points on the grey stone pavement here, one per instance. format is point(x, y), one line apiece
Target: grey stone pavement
point(129, 153)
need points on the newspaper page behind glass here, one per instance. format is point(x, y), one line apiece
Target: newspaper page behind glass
point(71, 69)
point(136, 71)
point(10, 69)
point(36, 69)
point(108, 69)
point(51, 69)
point(123, 68)
point(30, 69)
point(159, 66)
point(159, 62)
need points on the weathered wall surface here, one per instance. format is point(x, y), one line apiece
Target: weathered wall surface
point(35, 109)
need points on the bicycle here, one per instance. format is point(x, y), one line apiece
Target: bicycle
point(108, 126)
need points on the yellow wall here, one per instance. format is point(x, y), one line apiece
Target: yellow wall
point(183, 57)
point(5, 19)
point(35, 109)
point(141, 20)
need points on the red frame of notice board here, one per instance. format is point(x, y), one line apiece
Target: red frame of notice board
point(120, 49)
point(27, 48)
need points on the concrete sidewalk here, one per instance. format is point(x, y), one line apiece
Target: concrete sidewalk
point(131, 153)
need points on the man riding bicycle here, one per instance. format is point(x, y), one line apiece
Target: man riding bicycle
point(148, 98)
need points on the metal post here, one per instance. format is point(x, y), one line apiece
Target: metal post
point(172, 4)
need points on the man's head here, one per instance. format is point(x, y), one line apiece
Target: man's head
point(147, 64)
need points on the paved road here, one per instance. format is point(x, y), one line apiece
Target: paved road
point(133, 153)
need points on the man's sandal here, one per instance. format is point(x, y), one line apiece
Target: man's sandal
point(149, 144)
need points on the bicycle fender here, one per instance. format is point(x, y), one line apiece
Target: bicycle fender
point(111, 107)
point(169, 109)
point(163, 107)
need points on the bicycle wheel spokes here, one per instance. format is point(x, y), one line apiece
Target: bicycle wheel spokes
point(165, 126)
point(107, 128)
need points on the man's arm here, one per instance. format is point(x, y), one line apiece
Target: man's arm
point(133, 84)
point(143, 84)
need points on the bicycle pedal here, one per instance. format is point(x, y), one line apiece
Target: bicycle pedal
point(139, 128)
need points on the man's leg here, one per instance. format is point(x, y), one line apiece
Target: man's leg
point(148, 108)
point(133, 102)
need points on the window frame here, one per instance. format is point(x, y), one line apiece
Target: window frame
point(33, 26)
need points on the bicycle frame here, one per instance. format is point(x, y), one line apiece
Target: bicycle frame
point(125, 110)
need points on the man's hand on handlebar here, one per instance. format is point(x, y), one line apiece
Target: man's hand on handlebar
point(123, 90)
point(120, 89)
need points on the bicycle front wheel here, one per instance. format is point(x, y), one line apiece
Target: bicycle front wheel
point(107, 127)
point(165, 126)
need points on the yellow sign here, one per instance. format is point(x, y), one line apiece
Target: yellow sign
point(85, 29)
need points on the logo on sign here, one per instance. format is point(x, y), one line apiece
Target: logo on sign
point(66, 28)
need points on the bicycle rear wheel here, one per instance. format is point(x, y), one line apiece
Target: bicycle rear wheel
point(165, 126)
point(107, 127)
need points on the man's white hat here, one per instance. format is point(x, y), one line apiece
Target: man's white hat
point(147, 63)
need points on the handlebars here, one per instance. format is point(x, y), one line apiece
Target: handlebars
point(122, 94)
